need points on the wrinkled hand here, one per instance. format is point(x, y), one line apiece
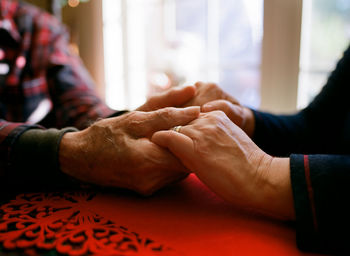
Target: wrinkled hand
point(206, 92)
point(231, 165)
point(211, 97)
point(117, 152)
point(175, 97)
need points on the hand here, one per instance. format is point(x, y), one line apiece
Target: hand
point(211, 97)
point(174, 97)
point(243, 117)
point(206, 92)
point(117, 152)
point(231, 165)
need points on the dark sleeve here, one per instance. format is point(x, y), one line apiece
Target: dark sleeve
point(317, 141)
point(321, 192)
point(322, 127)
point(34, 161)
point(30, 157)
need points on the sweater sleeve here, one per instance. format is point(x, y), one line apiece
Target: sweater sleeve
point(321, 128)
point(34, 163)
point(321, 191)
point(317, 140)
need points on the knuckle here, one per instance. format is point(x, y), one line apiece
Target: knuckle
point(218, 117)
point(226, 106)
point(134, 115)
point(217, 114)
point(165, 114)
point(134, 121)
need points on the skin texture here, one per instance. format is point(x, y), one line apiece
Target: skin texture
point(211, 97)
point(230, 164)
point(117, 152)
point(176, 97)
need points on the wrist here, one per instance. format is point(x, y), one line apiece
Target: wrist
point(249, 122)
point(277, 194)
point(70, 154)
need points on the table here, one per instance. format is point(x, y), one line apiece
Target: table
point(183, 219)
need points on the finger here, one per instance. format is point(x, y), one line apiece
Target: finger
point(171, 98)
point(232, 111)
point(179, 144)
point(163, 119)
point(158, 168)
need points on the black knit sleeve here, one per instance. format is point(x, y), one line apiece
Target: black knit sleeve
point(321, 128)
point(321, 195)
point(317, 139)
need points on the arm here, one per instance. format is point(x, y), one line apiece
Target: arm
point(70, 86)
point(322, 127)
point(321, 190)
point(313, 190)
point(30, 152)
point(26, 165)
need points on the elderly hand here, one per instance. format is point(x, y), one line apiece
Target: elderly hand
point(211, 97)
point(117, 152)
point(175, 97)
point(230, 164)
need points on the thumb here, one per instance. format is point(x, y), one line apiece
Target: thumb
point(171, 98)
point(177, 143)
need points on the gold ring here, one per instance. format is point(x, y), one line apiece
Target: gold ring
point(177, 128)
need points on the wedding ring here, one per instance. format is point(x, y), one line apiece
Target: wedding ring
point(177, 128)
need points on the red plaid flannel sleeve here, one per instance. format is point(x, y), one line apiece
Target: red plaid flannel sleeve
point(71, 87)
point(66, 81)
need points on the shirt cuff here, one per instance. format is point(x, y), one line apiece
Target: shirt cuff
point(306, 221)
point(35, 159)
point(320, 186)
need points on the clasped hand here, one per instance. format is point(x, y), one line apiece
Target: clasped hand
point(117, 152)
point(138, 150)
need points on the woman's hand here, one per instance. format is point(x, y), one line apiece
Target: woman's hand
point(231, 165)
point(243, 117)
point(211, 97)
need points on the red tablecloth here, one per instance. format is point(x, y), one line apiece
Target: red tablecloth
point(184, 219)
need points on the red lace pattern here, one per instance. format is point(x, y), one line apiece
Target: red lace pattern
point(66, 222)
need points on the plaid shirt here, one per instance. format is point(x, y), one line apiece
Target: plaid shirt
point(37, 71)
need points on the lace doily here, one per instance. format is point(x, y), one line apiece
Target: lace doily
point(67, 223)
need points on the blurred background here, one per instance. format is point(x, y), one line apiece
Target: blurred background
point(270, 54)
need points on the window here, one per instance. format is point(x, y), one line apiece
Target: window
point(155, 44)
point(325, 35)
point(275, 55)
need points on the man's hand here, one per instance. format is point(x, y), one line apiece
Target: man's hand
point(174, 97)
point(117, 152)
point(211, 97)
point(231, 165)
point(206, 92)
